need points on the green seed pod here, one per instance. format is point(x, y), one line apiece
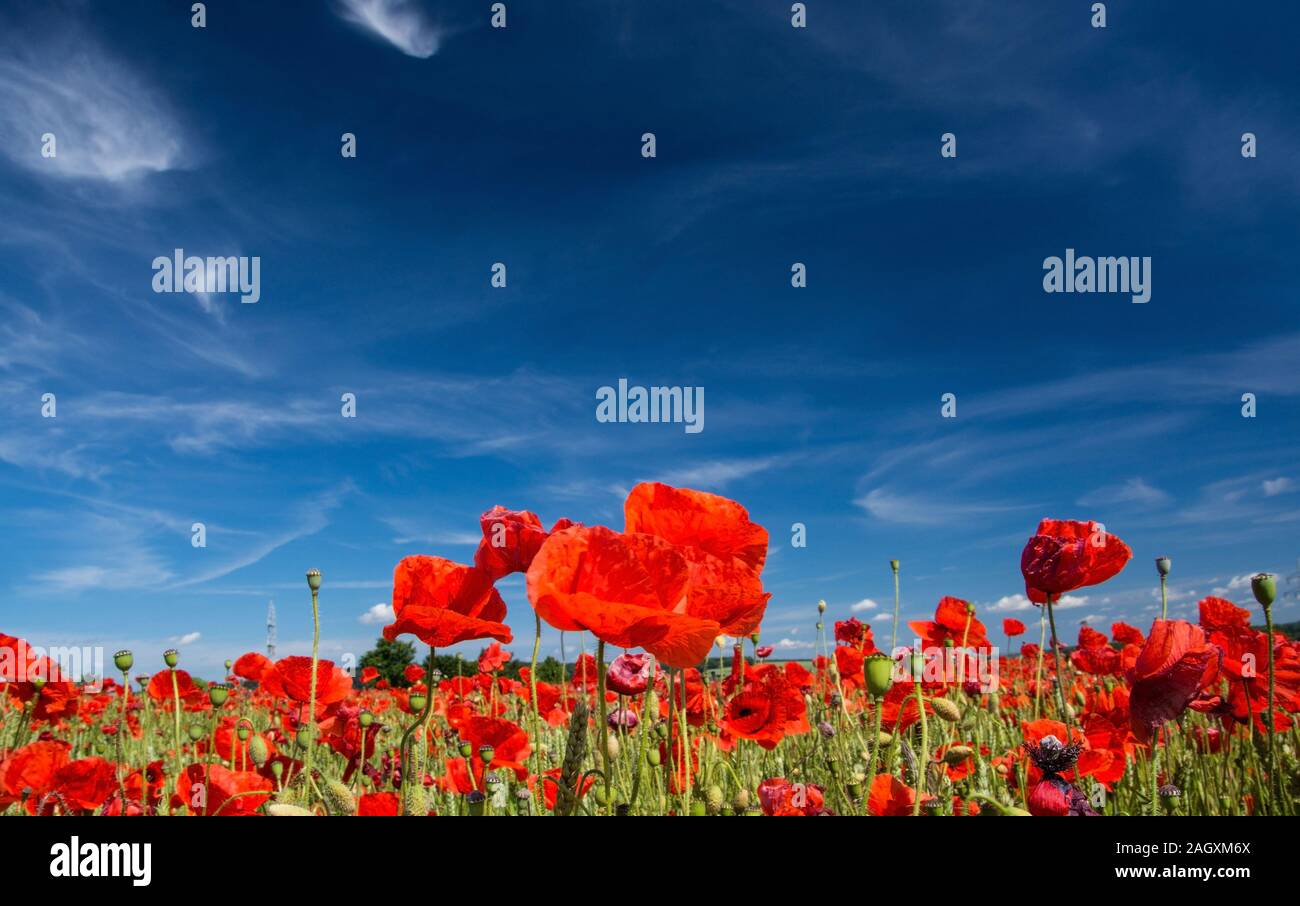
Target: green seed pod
point(123, 661)
point(652, 757)
point(338, 798)
point(171, 657)
point(878, 670)
point(1264, 585)
point(196, 732)
point(698, 808)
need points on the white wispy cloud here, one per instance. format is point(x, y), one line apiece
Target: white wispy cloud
point(1012, 603)
point(108, 124)
point(864, 604)
point(1134, 490)
point(1274, 486)
point(907, 509)
point(188, 638)
point(398, 22)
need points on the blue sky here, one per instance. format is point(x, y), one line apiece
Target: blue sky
point(775, 145)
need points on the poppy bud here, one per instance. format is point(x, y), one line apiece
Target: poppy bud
point(338, 798)
point(171, 656)
point(821, 606)
point(277, 768)
point(229, 664)
point(612, 746)
point(196, 732)
point(285, 810)
point(957, 754)
point(826, 730)
point(878, 670)
point(1162, 565)
point(486, 753)
point(698, 808)
point(946, 709)
point(652, 757)
point(1264, 585)
point(123, 660)
point(218, 693)
point(259, 752)
point(855, 790)
point(313, 579)
point(304, 736)
point(714, 799)
point(366, 719)
point(741, 800)
point(820, 624)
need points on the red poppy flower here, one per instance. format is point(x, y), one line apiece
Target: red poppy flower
point(889, 796)
point(86, 783)
point(1176, 662)
point(1012, 627)
point(1094, 654)
point(511, 538)
point(724, 550)
point(779, 797)
point(767, 709)
point(413, 673)
point(33, 768)
point(493, 658)
point(252, 666)
point(1126, 634)
point(443, 603)
point(629, 674)
point(854, 632)
point(1065, 555)
point(628, 590)
point(210, 789)
point(368, 675)
point(160, 688)
point(291, 678)
point(954, 620)
point(378, 804)
point(1055, 797)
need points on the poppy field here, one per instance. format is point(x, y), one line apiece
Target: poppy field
point(679, 709)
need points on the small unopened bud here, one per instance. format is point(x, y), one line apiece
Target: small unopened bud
point(259, 752)
point(946, 709)
point(957, 754)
